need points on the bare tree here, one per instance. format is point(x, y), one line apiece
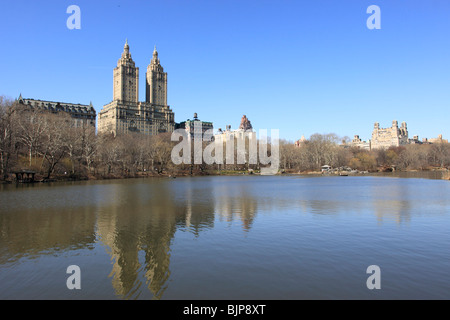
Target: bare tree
point(440, 154)
point(53, 147)
point(110, 152)
point(72, 140)
point(363, 160)
point(31, 126)
point(163, 149)
point(321, 149)
point(412, 157)
point(89, 145)
point(7, 137)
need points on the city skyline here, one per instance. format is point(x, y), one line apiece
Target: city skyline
point(299, 67)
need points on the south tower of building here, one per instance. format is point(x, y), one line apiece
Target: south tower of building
point(126, 78)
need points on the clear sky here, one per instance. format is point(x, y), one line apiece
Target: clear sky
point(302, 67)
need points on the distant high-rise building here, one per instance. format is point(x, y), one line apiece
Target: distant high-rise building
point(300, 142)
point(359, 143)
point(245, 124)
point(439, 139)
point(156, 82)
point(126, 78)
point(383, 138)
point(196, 128)
point(245, 130)
point(126, 113)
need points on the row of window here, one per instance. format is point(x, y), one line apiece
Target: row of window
point(58, 107)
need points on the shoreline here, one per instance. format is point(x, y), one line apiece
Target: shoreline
point(445, 175)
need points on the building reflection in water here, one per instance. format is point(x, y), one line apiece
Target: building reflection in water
point(235, 203)
point(136, 220)
point(194, 197)
point(396, 201)
point(142, 219)
point(138, 226)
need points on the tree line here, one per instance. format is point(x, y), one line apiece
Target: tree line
point(50, 145)
point(330, 149)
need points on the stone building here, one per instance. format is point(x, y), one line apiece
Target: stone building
point(415, 140)
point(383, 138)
point(81, 114)
point(439, 139)
point(196, 128)
point(300, 142)
point(223, 133)
point(126, 113)
point(245, 130)
point(359, 143)
point(245, 125)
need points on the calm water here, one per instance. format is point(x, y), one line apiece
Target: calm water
point(249, 237)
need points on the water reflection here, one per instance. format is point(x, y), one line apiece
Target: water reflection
point(136, 221)
point(194, 200)
point(142, 221)
point(31, 232)
point(236, 202)
point(141, 218)
point(393, 201)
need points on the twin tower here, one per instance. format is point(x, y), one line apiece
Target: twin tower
point(126, 80)
point(126, 114)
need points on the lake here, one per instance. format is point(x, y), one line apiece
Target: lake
point(227, 237)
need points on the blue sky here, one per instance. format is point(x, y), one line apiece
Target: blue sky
point(298, 66)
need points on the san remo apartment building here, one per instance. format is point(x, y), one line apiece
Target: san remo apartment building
point(126, 113)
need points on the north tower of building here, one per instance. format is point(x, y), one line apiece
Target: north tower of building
point(156, 82)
